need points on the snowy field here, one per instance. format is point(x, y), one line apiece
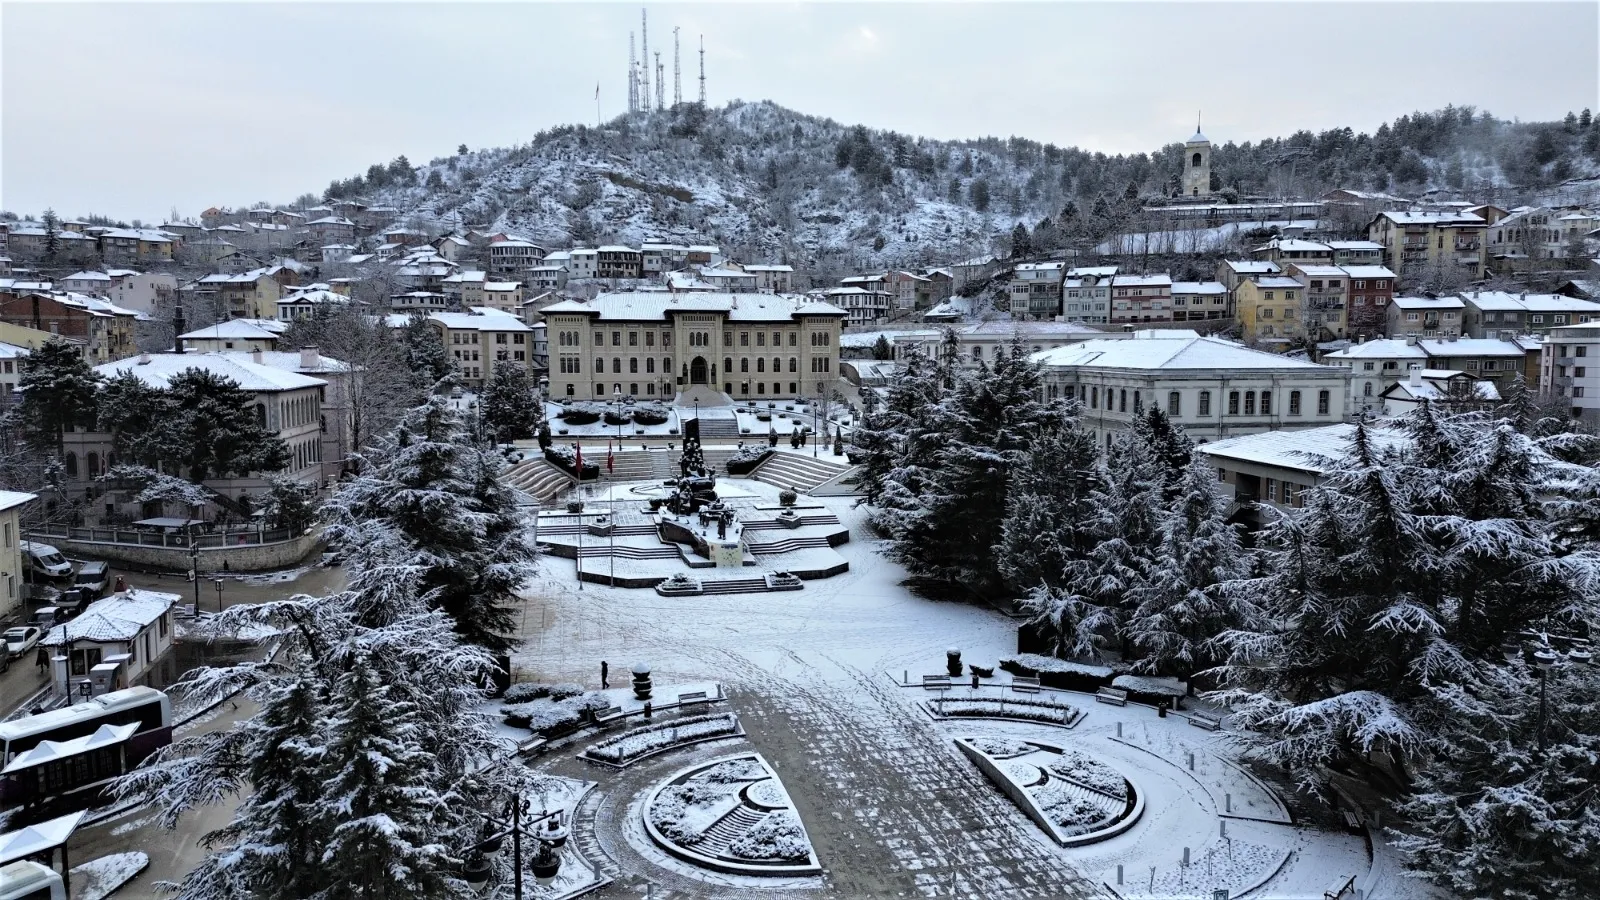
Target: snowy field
point(892, 807)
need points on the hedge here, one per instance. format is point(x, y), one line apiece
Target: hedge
point(566, 462)
point(742, 464)
point(1059, 673)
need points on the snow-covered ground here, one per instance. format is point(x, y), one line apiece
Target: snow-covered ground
point(99, 878)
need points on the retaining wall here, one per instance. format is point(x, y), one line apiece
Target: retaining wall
point(241, 558)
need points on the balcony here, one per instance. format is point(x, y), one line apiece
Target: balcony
point(1467, 245)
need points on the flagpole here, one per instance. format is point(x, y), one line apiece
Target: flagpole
point(597, 104)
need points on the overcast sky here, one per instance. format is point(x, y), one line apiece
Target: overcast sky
point(130, 110)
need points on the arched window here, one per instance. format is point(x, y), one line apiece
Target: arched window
point(72, 465)
point(1195, 160)
point(1366, 389)
point(261, 414)
point(93, 468)
point(977, 351)
point(1249, 403)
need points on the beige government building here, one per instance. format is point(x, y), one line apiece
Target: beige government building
point(654, 344)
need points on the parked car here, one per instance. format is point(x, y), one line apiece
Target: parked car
point(46, 617)
point(21, 639)
point(72, 601)
point(45, 560)
point(93, 578)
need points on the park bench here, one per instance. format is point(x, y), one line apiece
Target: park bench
point(1206, 721)
point(688, 698)
point(1351, 820)
point(607, 715)
point(1025, 684)
point(1115, 696)
point(936, 682)
point(532, 746)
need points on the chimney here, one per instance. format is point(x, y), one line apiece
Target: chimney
point(1411, 340)
point(144, 359)
point(1416, 376)
point(309, 358)
point(178, 325)
point(257, 357)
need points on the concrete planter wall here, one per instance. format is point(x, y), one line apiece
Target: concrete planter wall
point(239, 558)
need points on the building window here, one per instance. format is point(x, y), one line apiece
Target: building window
point(1294, 403)
point(1205, 403)
point(1366, 389)
point(616, 365)
point(633, 365)
point(1266, 403)
point(744, 365)
point(1322, 403)
point(1174, 399)
point(1094, 398)
point(1577, 391)
point(1122, 401)
point(1272, 490)
point(1249, 403)
point(1233, 403)
point(1222, 475)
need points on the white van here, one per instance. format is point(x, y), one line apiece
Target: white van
point(45, 560)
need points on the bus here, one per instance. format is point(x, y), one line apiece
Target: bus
point(81, 746)
point(25, 880)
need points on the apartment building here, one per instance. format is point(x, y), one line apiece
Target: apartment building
point(1086, 294)
point(481, 339)
point(1371, 290)
point(1035, 290)
point(1141, 298)
point(1285, 251)
point(861, 306)
point(1414, 242)
point(616, 261)
point(1356, 253)
point(910, 290)
point(1500, 314)
point(1426, 317)
point(1568, 369)
point(652, 344)
point(1378, 365)
point(332, 230)
point(1269, 309)
point(1196, 301)
point(776, 279)
point(1233, 271)
point(105, 329)
point(1327, 299)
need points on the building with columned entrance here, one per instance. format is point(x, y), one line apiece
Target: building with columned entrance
point(653, 345)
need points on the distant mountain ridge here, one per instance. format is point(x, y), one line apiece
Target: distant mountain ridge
point(772, 184)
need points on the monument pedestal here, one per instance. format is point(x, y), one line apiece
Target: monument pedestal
point(726, 554)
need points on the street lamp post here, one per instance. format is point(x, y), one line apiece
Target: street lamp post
point(547, 862)
point(814, 407)
point(1543, 659)
point(218, 582)
point(194, 565)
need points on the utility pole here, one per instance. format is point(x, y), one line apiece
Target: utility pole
point(677, 74)
point(702, 70)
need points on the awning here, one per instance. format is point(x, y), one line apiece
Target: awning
point(49, 751)
point(40, 838)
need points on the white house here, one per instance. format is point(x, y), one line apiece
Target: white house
point(1564, 363)
point(136, 624)
point(1214, 388)
point(1442, 387)
point(1269, 472)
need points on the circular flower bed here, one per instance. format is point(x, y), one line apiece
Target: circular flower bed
point(766, 793)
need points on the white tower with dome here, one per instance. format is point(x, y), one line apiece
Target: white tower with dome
point(1197, 164)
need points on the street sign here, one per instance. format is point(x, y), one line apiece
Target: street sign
point(190, 576)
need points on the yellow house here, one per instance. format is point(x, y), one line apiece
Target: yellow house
point(11, 504)
point(1270, 309)
point(1415, 242)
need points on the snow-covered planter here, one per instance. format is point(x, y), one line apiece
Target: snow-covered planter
point(528, 691)
point(788, 497)
point(566, 459)
point(638, 743)
point(550, 718)
point(615, 416)
point(1075, 798)
point(582, 414)
point(743, 461)
point(1061, 674)
point(730, 815)
point(1031, 709)
point(680, 585)
point(649, 414)
point(1152, 689)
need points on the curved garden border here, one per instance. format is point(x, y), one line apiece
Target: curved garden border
point(811, 867)
point(935, 709)
point(1018, 795)
point(737, 732)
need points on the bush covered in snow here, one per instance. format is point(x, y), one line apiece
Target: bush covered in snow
point(528, 691)
point(548, 717)
point(745, 459)
point(582, 414)
point(1036, 710)
point(779, 837)
point(1000, 748)
point(649, 414)
point(1059, 673)
point(683, 812)
point(1073, 813)
point(567, 459)
point(650, 738)
point(734, 770)
point(1091, 773)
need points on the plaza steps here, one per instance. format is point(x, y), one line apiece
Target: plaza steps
point(771, 524)
point(799, 472)
point(785, 545)
point(630, 465)
point(714, 841)
point(539, 478)
point(718, 427)
point(625, 552)
point(575, 528)
point(756, 585)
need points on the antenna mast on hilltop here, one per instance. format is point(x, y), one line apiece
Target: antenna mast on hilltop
point(661, 83)
point(633, 77)
point(644, 84)
point(677, 74)
point(702, 70)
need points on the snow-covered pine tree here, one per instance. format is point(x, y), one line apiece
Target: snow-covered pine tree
point(881, 437)
point(511, 403)
point(58, 390)
point(1325, 678)
point(426, 352)
point(1494, 816)
point(1167, 445)
point(1180, 604)
point(442, 493)
point(209, 425)
point(1049, 508)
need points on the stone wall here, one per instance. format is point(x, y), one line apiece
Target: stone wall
point(242, 558)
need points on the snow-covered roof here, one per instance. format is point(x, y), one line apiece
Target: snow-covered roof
point(1435, 385)
point(331, 220)
point(1279, 281)
point(238, 329)
point(1428, 303)
point(1198, 138)
point(8, 499)
point(468, 275)
point(501, 285)
point(1384, 348)
point(158, 370)
point(1198, 287)
point(1148, 350)
point(88, 276)
point(51, 751)
point(753, 267)
point(1158, 280)
point(1311, 271)
point(41, 837)
point(1432, 218)
point(1294, 245)
point(119, 617)
point(1306, 450)
point(1535, 303)
point(479, 322)
point(1253, 266)
point(1029, 267)
point(1472, 347)
point(1091, 271)
point(1002, 328)
point(868, 338)
point(1356, 245)
point(1367, 272)
point(657, 306)
point(616, 248)
point(148, 235)
point(290, 361)
point(514, 242)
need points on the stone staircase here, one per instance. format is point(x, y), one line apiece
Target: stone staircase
point(718, 427)
point(630, 465)
point(754, 585)
point(786, 544)
point(714, 841)
point(539, 478)
point(798, 471)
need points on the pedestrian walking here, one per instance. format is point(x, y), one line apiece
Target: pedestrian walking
point(42, 659)
point(605, 675)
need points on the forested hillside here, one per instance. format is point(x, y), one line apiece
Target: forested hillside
point(770, 183)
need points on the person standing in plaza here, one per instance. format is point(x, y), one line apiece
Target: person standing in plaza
point(605, 675)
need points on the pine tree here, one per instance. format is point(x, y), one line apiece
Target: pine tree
point(1181, 604)
point(511, 403)
point(58, 392)
point(428, 357)
point(52, 236)
point(880, 437)
point(210, 426)
point(882, 349)
point(1049, 508)
point(1166, 445)
point(441, 494)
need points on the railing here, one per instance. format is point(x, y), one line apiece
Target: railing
point(179, 540)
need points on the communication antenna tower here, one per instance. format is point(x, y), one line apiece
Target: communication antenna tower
point(661, 83)
point(633, 77)
point(644, 84)
point(677, 74)
point(702, 70)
